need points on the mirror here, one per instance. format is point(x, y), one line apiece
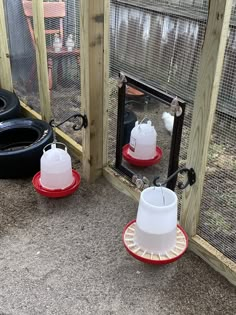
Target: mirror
point(149, 129)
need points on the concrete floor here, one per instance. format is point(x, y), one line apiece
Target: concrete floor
point(66, 257)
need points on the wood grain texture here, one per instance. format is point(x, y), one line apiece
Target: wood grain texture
point(92, 84)
point(74, 148)
point(211, 63)
point(214, 258)
point(121, 184)
point(106, 79)
point(5, 67)
point(41, 58)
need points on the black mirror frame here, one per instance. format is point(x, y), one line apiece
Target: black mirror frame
point(177, 128)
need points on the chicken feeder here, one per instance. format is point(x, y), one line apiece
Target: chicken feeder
point(142, 149)
point(154, 237)
point(56, 177)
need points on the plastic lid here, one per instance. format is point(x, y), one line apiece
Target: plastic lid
point(56, 155)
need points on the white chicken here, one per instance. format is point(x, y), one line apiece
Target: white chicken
point(168, 120)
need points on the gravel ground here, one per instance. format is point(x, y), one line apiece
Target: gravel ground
point(66, 257)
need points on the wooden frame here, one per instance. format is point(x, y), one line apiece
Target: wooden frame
point(106, 78)
point(211, 64)
point(41, 59)
point(5, 67)
point(120, 183)
point(214, 258)
point(94, 66)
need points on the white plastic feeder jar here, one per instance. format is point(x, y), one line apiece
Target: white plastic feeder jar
point(143, 141)
point(156, 223)
point(56, 167)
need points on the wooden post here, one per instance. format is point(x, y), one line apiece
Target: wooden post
point(211, 64)
point(41, 58)
point(92, 83)
point(106, 95)
point(5, 67)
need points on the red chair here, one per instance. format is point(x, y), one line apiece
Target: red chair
point(51, 10)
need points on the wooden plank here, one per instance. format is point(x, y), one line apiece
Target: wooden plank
point(92, 84)
point(121, 184)
point(5, 67)
point(51, 10)
point(41, 58)
point(106, 79)
point(211, 64)
point(214, 258)
point(74, 148)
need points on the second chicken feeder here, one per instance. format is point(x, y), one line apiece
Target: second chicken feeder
point(142, 149)
point(56, 177)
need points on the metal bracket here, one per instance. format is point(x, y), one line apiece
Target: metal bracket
point(140, 181)
point(76, 127)
point(175, 107)
point(190, 181)
point(122, 80)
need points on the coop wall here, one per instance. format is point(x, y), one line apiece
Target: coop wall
point(65, 93)
point(159, 43)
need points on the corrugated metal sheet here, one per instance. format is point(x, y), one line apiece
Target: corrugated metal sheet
point(164, 49)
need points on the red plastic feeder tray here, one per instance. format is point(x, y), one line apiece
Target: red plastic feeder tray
point(130, 91)
point(56, 193)
point(150, 258)
point(141, 163)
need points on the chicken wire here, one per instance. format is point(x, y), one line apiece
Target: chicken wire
point(159, 42)
point(65, 92)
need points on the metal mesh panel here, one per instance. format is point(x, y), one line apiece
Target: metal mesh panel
point(65, 77)
point(217, 219)
point(159, 42)
point(66, 74)
point(153, 42)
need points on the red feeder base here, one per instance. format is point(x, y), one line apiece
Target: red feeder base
point(130, 91)
point(150, 258)
point(141, 163)
point(56, 193)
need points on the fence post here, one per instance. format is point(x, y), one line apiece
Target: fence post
point(5, 67)
point(211, 64)
point(93, 49)
point(41, 58)
point(106, 86)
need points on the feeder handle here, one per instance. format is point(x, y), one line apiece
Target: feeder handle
point(55, 143)
point(190, 181)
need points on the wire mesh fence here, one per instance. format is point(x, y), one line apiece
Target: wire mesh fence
point(62, 26)
point(159, 42)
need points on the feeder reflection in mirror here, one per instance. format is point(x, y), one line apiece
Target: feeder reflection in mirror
point(148, 131)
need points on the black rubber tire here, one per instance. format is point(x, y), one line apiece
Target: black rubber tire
point(9, 105)
point(129, 123)
point(21, 146)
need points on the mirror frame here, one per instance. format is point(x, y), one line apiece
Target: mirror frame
point(165, 98)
